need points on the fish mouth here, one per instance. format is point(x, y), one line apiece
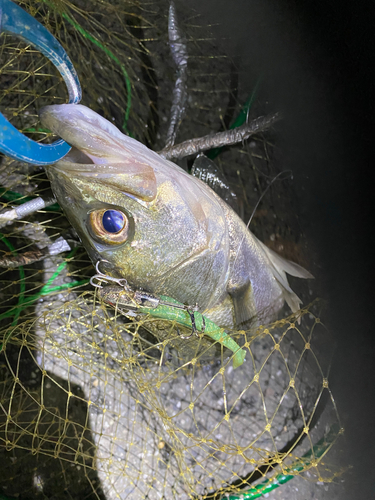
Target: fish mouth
point(100, 152)
point(94, 136)
point(75, 157)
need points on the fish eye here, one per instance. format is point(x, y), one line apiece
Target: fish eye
point(113, 221)
point(109, 226)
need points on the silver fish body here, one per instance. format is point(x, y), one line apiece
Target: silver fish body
point(180, 239)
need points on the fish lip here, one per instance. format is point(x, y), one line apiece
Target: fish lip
point(68, 167)
point(78, 169)
point(100, 152)
point(56, 115)
point(127, 177)
point(87, 131)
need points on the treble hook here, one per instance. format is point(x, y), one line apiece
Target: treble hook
point(144, 299)
point(98, 278)
point(191, 313)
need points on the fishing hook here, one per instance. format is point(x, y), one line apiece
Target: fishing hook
point(143, 299)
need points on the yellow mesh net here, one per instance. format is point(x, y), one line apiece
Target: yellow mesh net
point(92, 403)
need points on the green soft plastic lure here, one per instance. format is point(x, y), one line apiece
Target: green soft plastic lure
point(119, 296)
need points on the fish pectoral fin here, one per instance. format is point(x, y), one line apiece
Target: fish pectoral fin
point(243, 303)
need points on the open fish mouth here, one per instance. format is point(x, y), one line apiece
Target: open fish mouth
point(85, 130)
point(100, 152)
point(94, 136)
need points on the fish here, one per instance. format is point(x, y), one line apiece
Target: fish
point(162, 229)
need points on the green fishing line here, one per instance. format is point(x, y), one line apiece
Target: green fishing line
point(109, 53)
point(47, 289)
point(299, 465)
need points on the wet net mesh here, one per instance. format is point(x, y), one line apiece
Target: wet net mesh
point(94, 404)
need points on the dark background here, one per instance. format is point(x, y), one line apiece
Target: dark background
point(317, 60)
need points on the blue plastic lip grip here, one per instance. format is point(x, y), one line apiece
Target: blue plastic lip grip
point(13, 143)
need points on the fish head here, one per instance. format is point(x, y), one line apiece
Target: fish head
point(156, 225)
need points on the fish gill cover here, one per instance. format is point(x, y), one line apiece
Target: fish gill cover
point(97, 405)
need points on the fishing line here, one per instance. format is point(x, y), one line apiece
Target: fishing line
point(289, 174)
point(268, 485)
point(241, 118)
point(110, 54)
point(46, 290)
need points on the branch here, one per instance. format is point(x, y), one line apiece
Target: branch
point(226, 138)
